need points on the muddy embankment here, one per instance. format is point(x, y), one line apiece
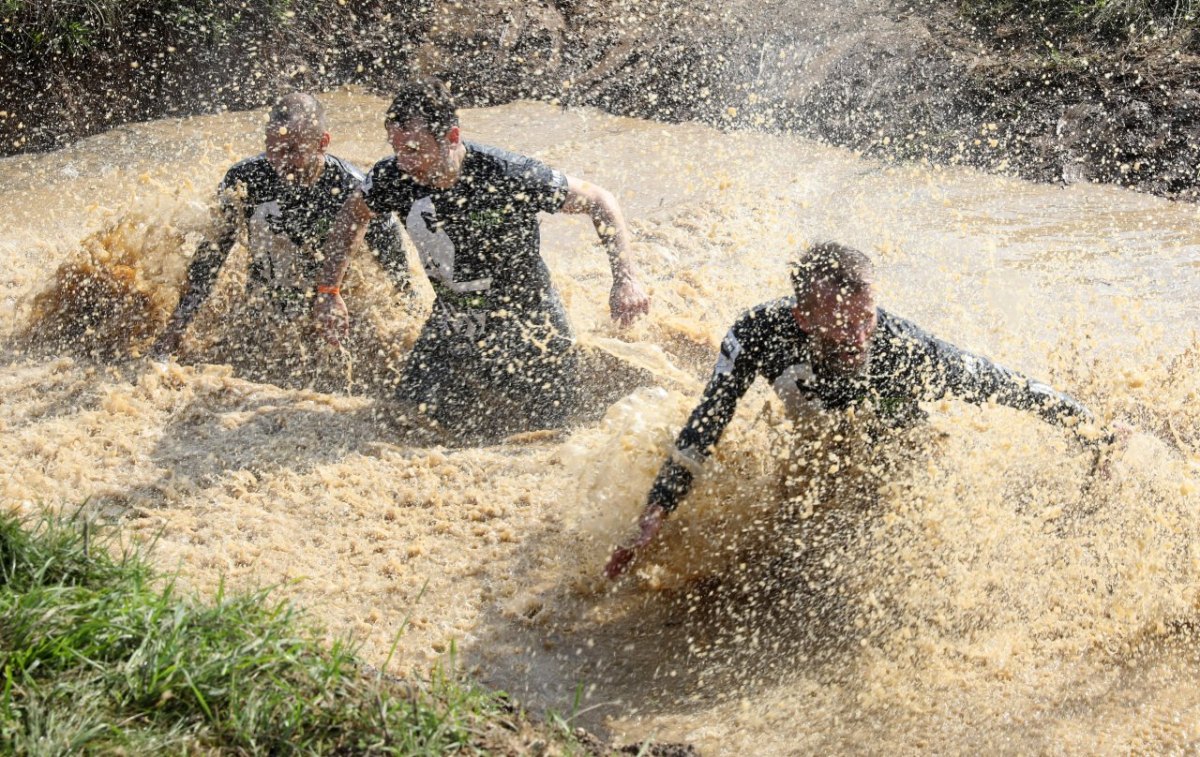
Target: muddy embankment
point(893, 79)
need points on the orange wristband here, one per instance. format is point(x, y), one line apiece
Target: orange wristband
point(322, 289)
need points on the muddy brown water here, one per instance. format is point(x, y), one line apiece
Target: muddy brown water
point(972, 589)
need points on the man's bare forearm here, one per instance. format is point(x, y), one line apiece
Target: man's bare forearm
point(614, 234)
point(604, 210)
point(349, 228)
point(628, 300)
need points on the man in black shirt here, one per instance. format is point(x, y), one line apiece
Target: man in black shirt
point(496, 352)
point(830, 348)
point(285, 199)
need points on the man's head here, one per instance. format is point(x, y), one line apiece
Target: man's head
point(297, 136)
point(835, 305)
point(422, 127)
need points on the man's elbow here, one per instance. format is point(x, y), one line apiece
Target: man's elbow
point(604, 205)
point(589, 198)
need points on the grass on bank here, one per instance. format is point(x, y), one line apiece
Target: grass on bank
point(99, 656)
point(72, 27)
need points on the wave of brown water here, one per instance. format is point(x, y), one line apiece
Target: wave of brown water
point(970, 587)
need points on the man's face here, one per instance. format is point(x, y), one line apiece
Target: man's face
point(841, 324)
point(293, 151)
point(419, 153)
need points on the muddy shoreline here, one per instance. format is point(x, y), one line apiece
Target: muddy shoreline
point(892, 80)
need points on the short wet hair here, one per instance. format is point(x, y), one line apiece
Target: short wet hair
point(298, 110)
point(831, 264)
point(426, 99)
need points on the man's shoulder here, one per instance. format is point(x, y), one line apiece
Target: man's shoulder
point(384, 166)
point(252, 171)
point(490, 154)
point(768, 316)
point(385, 175)
point(756, 337)
point(344, 168)
point(387, 188)
point(489, 161)
point(761, 329)
point(900, 339)
point(894, 325)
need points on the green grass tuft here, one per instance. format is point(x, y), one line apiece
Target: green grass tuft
point(75, 27)
point(97, 655)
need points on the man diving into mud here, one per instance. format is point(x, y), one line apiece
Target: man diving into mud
point(286, 199)
point(829, 348)
point(496, 352)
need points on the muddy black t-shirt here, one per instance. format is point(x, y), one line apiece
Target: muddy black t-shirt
point(286, 224)
point(906, 366)
point(479, 239)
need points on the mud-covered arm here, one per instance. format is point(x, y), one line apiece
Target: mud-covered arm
point(349, 228)
point(734, 373)
point(384, 242)
point(201, 276)
point(947, 369)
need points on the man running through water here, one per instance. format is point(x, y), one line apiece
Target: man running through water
point(496, 353)
point(830, 348)
point(286, 199)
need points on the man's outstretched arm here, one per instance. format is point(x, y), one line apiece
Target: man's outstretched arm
point(628, 299)
point(977, 379)
point(349, 228)
point(201, 275)
point(734, 374)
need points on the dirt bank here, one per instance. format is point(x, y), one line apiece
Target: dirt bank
point(911, 81)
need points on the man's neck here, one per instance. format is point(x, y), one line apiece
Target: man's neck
point(315, 172)
point(308, 176)
point(448, 176)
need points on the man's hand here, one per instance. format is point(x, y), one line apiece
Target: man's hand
point(166, 345)
point(1117, 436)
point(650, 523)
point(332, 318)
point(628, 300)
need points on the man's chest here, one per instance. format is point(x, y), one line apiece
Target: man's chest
point(478, 211)
point(803, 388)
point(302, 216)
point(465, 238)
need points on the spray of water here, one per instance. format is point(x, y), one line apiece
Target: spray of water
point(972, 584)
